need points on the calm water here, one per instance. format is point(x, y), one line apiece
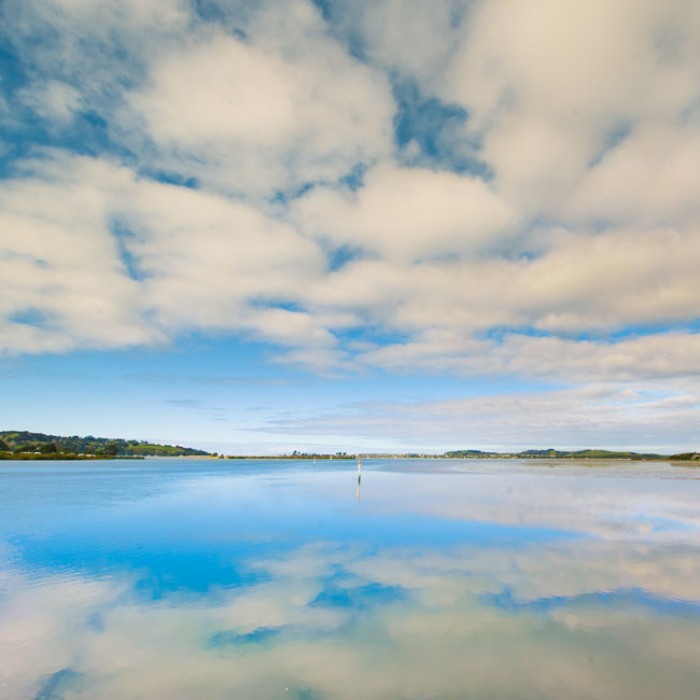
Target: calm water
point(190, 579)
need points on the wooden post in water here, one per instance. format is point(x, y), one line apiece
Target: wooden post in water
point(359, 479)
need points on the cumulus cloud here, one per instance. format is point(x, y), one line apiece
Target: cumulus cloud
point(248, 173)
point(403, 36)
point(264, 114)
point(408, 213)
point(92, 255)
point(63, 282)
point(651, 178)
point(549, 82)
point(590, 286)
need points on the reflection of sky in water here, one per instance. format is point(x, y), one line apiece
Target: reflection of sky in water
point(204, 579)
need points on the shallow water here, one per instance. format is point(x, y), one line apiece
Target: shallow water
point(185, 579)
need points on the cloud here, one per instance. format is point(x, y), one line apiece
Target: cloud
point(59, 263)
point(408, 213)
point(79, 58)
point(264, 102)
point(548, 82)
point(280, 108)
point(595, 415)
point(669, 356)
point(110, 258)
point(100, 257)
point(402, 36)
point(650, 177)
point(53, 100)
point(204, 257)
point(484, 314)
point(254, 169)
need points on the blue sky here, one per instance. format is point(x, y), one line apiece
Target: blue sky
point(267, 226)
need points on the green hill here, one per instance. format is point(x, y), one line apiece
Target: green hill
point(686, 457)
point(556, 454)
point(15, 442)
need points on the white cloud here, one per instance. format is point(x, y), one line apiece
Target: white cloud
point(606, 415)
point(651, 177)
point(221, 90)
point(200, 261)
point(74, 227)
point(85, 53)
point(589, 227)
point(403, 36)
point(661, 357)
point(408, 213)
point(59, 261)
point(284, 107)
point(53, 100)
point(548, 82)
point(264, 102)
point(206, 258)
point(576, 284)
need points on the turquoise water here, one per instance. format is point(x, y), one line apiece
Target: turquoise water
point(186, 579)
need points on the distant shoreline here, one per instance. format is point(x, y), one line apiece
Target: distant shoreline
point(59, 456)
point(692, 460)
point(29, 446)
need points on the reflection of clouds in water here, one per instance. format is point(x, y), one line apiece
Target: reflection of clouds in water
point(568, 570)
point(611, 508)
point(45, 625)
point(398, 607)
point(335, 623)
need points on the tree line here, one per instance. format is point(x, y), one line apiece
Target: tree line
point(24, 442)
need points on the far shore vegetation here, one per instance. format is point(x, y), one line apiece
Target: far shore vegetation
point(23, 445)
point(26, 446)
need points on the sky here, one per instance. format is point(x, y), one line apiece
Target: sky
point(385, 225)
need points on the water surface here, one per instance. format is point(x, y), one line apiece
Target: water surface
point(187, 579)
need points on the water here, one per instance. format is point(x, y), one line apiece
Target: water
point(185, 579)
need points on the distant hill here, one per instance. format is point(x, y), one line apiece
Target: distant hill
point(558, 454)
point(17, 441)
